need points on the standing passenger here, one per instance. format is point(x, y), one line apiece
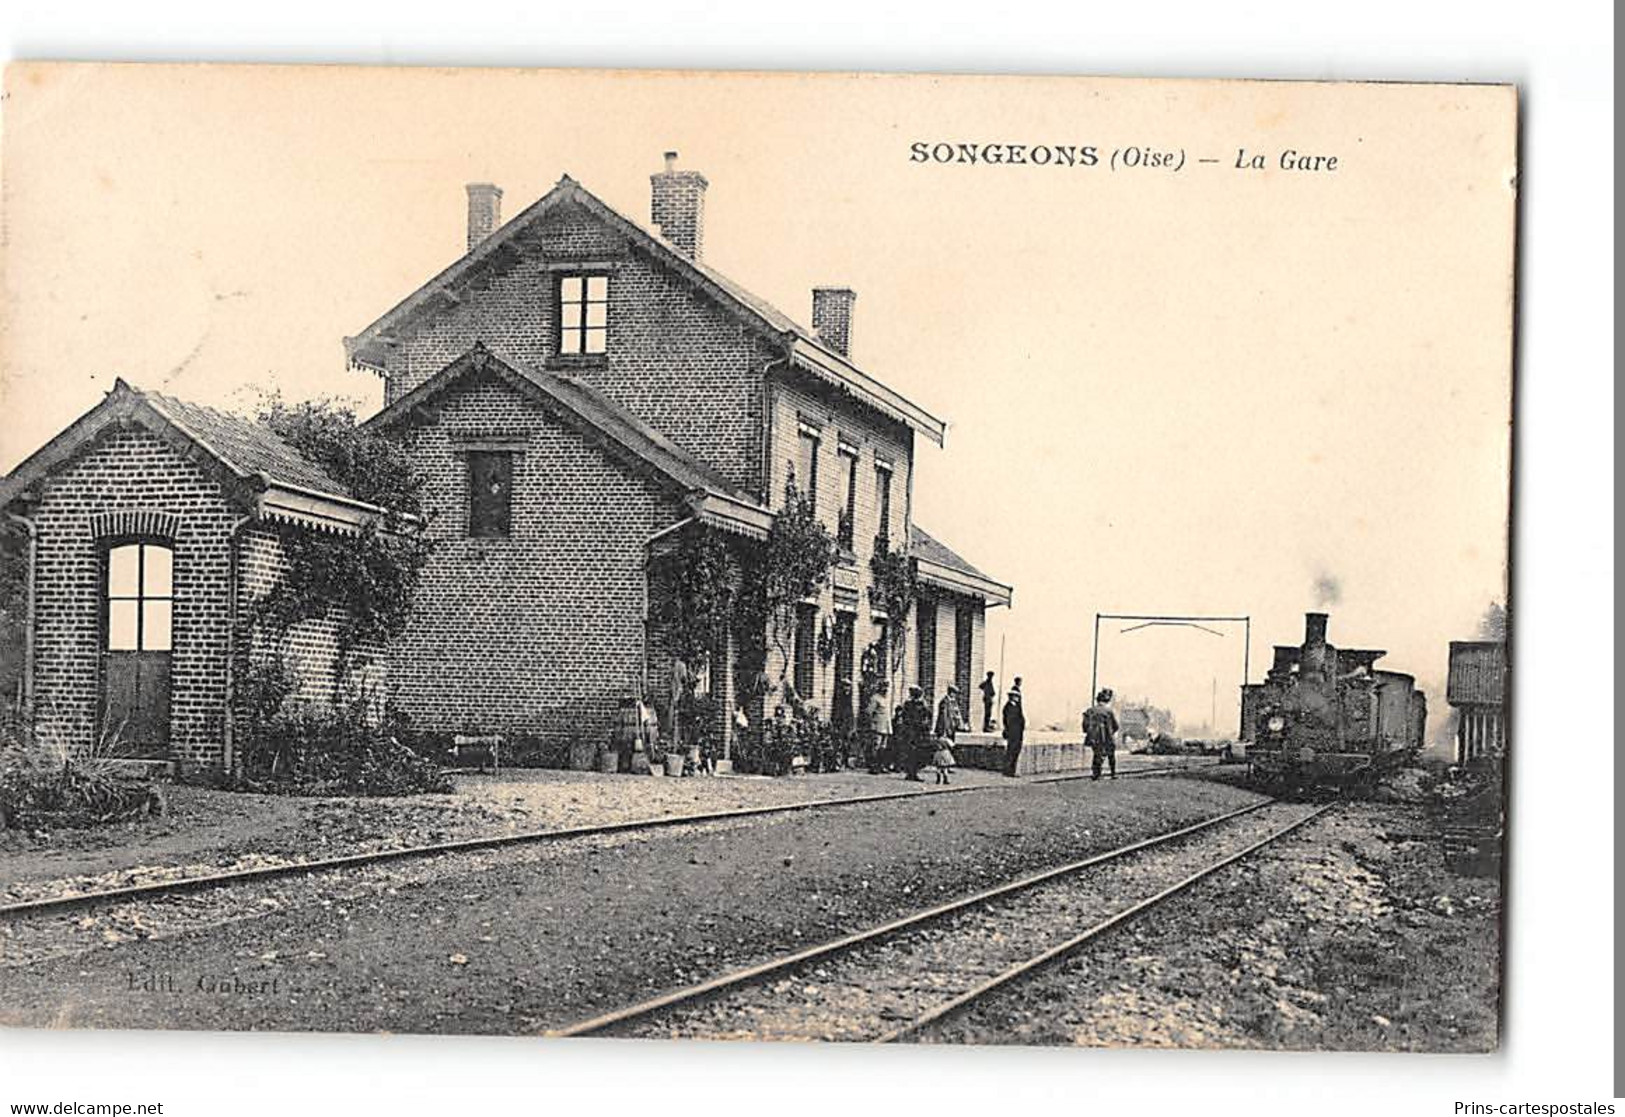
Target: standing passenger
point(989, 693)
point(1100, 732)
point(913, 731)
point(877, 726)
point(1015, 727)
point(948, 714)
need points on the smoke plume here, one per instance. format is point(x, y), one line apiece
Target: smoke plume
point(1328, 591)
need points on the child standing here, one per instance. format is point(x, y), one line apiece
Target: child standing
point(943, 759)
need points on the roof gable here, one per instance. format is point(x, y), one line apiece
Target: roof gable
point(624, 436)
point(802, 347)
point(238, 449)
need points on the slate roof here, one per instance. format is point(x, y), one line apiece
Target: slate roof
point(241, 446)
point(632, 432)
point(245, 446)
point(933, 550)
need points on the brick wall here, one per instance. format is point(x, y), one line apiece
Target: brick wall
point(309, 647)
point(674, 358)
point(875, 438)
point(542, 631)
point(944, 608)
point(131, 470)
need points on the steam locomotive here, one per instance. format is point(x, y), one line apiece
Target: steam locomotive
point(1326, 718)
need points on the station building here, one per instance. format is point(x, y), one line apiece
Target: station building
point(580, 390)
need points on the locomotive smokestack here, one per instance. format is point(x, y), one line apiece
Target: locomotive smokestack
point(1314, 628)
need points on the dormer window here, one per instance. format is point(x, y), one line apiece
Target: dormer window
point(583, 315)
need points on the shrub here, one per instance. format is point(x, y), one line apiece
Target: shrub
point(527, 750)
point(802, 732)
point(702, 724)
point(45, 784)
point(323, 750)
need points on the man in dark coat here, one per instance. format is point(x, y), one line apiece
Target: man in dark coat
point(1015, 727)
point(913, 734)
point(989, 693)
point(1100, 732)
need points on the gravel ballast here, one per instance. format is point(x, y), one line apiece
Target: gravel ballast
point(1349, 935)
point(208, 832)
point(522, 940)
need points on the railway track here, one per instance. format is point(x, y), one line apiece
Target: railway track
point(56, 904)
point(896, 980)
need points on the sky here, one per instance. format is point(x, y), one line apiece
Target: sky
point(1215, 390)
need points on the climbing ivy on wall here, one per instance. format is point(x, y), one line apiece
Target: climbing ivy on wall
point(773, 578)
point(794, 565)
point(373, 577)
point(892, 589)
point(695, 602)
point(13, 612)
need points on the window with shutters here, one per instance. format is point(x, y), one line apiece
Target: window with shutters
point(806, 465)
point(849, 502)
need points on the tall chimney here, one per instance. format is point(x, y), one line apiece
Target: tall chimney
point(677, 206)
point(1314, 628)
point(832, 317)
point(484, 211)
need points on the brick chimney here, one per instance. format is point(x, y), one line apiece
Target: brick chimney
point(832, 317)
point(484, 211)
point(677, 206)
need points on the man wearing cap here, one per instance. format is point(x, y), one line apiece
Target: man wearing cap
point(1015, 727)
point(990, 691)
point(1100, 732)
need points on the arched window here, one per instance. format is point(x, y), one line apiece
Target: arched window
point(140, 597)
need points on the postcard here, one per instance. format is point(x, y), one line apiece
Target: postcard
point(755, 556)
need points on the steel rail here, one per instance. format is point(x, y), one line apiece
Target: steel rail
point(751, 974)
point(499, 841)
point(999, 981)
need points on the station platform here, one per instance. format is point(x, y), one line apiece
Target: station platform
point(986, 751)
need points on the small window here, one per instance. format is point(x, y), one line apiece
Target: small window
point(490, 493)
point(140, 598)
point(583, 315)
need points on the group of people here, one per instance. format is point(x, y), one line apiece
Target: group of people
point(909, 738)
